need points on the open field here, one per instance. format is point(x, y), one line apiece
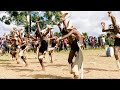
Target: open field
point(96, 66)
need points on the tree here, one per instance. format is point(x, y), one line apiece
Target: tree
point(58, 34)
point(17, 17)
point(85, 34)
point(48, 17)
point(20, 18)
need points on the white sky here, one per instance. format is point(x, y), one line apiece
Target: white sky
point(84, 21)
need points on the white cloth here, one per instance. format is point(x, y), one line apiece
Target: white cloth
point(77, 64)
point(118, 35)
point(41, 56)
point(51, 48)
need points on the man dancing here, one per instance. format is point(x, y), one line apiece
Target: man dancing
point(43, 43)
point(74, 38)
point(116, 30)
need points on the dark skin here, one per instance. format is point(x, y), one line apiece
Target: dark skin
point(19, 42)
point(51, 40)
point(78, 36)
point(15, 42)
point(105, 30)
point(115, 31)
point(24, 42)
point(108, 30)
point(35, 43)
point(113, 20)
point(72, 34)
point(42, 37)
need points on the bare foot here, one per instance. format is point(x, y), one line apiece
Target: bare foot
point(18, 62)
point(51, 62)
point(26, 65)
point(43, 69)
point(76, 77)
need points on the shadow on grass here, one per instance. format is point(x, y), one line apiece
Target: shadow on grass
point(20, 70)
point(5, 63)
point(103, 56)
point(13, 66)
point(31, 58)
point(57, 65)
point(40, 76)
point(98, 69)
point(106, 56)
point(4, 60)
point(37, 62)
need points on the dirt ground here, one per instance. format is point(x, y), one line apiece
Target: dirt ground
point(96, 66)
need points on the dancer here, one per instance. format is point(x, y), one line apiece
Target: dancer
point(116, 31)
point(74, 38)
point(42, 35)
point(15, 44)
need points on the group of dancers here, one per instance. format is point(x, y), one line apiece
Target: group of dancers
point(43, 42)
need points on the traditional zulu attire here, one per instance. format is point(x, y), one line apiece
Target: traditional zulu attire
point(78, 63)
point(43, 46)
point(15, 49)
point(22, 53)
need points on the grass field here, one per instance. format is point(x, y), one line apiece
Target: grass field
point(96, 66)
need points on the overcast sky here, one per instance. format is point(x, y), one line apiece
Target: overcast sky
point(84, 21)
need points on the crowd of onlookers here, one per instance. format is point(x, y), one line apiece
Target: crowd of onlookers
point(88, 42)
point(94, 42)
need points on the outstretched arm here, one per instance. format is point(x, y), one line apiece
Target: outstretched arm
point(38, 28)
point(59, 26)
point(67, 35)
point(8, 38)
point(117, 36)
point(47, 32)
point(65, 24)
point(112, 18)
point(20, 36)
point(23, 44)
point(32, 37)
point(103, 28)
point(51, 34)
